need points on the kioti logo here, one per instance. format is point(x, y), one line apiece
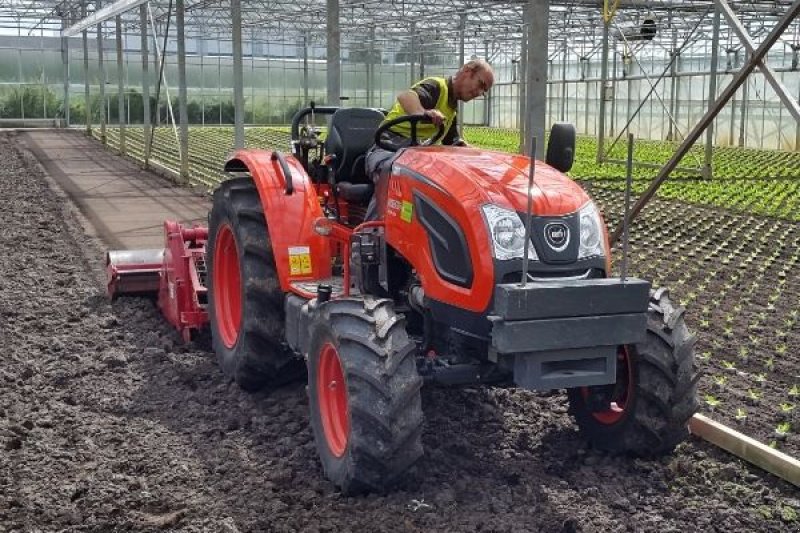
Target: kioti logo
point(557, 235)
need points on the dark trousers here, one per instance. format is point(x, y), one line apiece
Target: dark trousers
point(378, 165)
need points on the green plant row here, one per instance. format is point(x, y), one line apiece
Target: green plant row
point(765, 182)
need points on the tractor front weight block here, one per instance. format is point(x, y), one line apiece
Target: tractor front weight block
point(564, 334)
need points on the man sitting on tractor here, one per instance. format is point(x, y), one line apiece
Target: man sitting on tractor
point(437, 99)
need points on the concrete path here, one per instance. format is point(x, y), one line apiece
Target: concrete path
point(124, 204)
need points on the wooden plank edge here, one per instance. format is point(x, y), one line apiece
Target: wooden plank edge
point(747, 448)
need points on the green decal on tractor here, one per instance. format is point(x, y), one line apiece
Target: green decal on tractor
point(407, 211)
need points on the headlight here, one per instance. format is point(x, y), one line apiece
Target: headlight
point(591, 232)
point(507, 233)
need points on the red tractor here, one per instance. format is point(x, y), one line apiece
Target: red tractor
point(432, 285)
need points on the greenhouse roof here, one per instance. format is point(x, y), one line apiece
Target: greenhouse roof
point(489, 24)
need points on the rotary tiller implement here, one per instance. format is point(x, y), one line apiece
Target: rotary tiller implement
point(419, 277)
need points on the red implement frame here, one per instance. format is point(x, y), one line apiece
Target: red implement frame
point(177, 272)
point(182, 295)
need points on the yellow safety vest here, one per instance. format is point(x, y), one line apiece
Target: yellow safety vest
point(425, 131)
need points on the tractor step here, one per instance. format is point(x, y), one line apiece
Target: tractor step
point(308, 289)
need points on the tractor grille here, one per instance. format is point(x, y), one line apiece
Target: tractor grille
point(536, 275)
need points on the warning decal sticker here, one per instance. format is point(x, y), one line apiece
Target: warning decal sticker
point(299, 260)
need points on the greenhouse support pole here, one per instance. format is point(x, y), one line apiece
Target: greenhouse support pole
point(797, 131)
point(65, 64)
point(523, 77)
point(601, 119)
point(421, 59)
point(462, 30)
point(709, 116)
point(202, 54)
point(238, 76)
point(156, 72)
point(743, 106)
point(120, 86)
point(371, 68)
point(536, 94)
point(334, 53)
point(101, 65)
point(412, 50)
point(180, 12)
point(487, 98)
point(305, 69)
point(86, 92)
point(676, 113)
point(146, 122)
point(732, 108)
point(563, 114)
point(673, 87)
point(613, 82)
point(252, 85)
point(712, 95)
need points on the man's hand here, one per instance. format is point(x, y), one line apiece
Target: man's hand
point(435, 115)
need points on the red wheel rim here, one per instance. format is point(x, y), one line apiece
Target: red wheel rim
point(332, 394)
point(623, 391)
point(227, 286)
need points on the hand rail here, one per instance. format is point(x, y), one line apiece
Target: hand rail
point(287, 174)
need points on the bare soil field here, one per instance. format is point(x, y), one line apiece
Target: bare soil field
point(109, 423)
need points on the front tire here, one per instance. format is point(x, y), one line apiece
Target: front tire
point(656, 390)
point(364, 394)
point(245, 299)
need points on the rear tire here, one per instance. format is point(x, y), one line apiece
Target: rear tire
point(245, 299)
point(652, 408)
point(368, 432)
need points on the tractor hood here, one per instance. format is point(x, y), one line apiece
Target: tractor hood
point(481, 176)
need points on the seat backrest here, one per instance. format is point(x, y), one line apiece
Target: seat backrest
point(351, 134)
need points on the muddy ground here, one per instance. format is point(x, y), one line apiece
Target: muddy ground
point(109, 423)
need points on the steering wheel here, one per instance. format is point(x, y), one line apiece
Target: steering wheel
point(413, 120)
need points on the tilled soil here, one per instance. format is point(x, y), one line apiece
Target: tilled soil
point(109, 423)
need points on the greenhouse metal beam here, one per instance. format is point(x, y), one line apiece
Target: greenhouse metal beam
point(145, 52)
point(334, 54)
point(522, 121)
point(462, 30)
point(536, 93)
point(120, 86)
point(601, 119)
point(238, 75)
point(65, 70)
point(100, 15)
point(86, 92)
point(182, 90)
point(709, 116)
point(101, 65)
point(777, 86)
point(712, 95)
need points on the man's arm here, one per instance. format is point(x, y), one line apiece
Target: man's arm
point(412, 105)
point(421, 100)
point(410, 102)
point(451, 137)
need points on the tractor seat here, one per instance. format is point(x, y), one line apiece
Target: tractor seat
point(351, 134)
point(356, 193)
